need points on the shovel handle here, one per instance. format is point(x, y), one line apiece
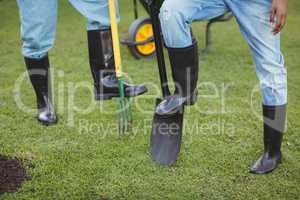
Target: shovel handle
point(159, 48)
point(115, 37)
point(136, 14)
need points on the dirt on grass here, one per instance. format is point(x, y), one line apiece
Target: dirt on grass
point(12, 174)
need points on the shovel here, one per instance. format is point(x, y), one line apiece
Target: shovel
point(125, 116)
point(166, 129)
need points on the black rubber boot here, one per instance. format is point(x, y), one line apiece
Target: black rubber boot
point(102, 67)
point(185, 67)
point(274, 125)
point(38, 70)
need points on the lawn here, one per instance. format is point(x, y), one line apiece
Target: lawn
point(83, 157)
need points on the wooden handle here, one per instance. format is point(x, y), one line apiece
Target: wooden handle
point(115, 37)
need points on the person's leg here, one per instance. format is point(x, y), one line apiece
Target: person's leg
point(95, 11)
point(38, 24)
point(176, 17)
point(100, 50)
point(253, 18)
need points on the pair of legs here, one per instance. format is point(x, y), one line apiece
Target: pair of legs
point(38, 27)
point(39, 19)
point(253, 19)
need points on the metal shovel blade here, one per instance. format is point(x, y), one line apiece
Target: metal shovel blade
point(166, 137)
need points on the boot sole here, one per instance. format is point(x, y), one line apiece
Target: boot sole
point(105, 97)
point(47, 123)
point(266, 172)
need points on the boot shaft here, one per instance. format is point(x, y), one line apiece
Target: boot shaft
point(101, 56)
point(38, 71)
point(274, 126)
point(185, 66)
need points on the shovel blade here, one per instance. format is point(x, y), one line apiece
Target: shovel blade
point(166, 137)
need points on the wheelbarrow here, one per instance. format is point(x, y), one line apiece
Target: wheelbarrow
point(141, 41)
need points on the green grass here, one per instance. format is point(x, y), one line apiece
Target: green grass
point(66, 162)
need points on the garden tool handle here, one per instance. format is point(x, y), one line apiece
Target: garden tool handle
point(136, 14)
point(115, 37)
point(159, 48)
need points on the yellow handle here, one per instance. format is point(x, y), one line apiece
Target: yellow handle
point(115, 37)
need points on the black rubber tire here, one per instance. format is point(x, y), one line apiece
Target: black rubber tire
point(135, 26)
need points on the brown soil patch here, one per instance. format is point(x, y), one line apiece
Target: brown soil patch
point(12, 174)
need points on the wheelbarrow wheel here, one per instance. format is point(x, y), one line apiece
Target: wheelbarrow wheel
point(140, 31)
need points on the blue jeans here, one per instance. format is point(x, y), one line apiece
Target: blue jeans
point(253, 19)
point(39, 18)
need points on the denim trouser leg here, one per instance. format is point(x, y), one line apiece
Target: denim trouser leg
point(38, 26)
point(253, 18)
point(95, 11)
point(39, 18)
point(177, 15)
